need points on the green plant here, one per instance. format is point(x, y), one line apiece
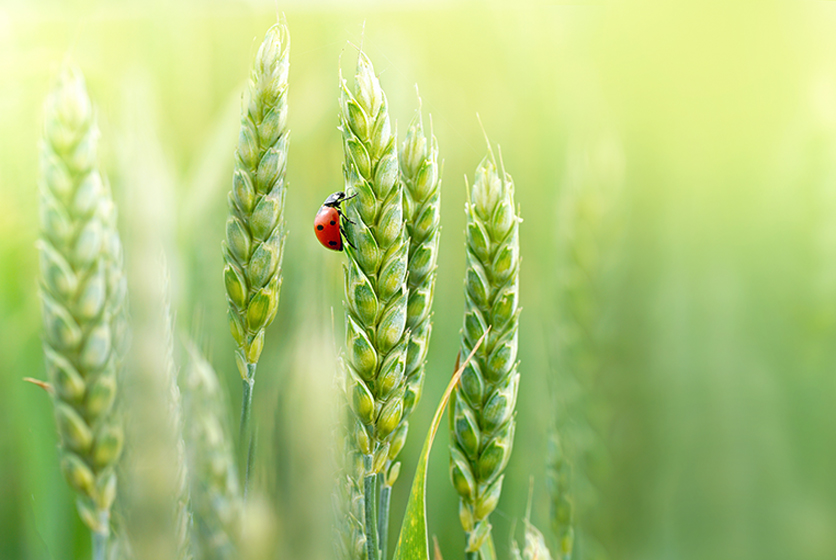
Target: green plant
point(215, 493)
point(375, 286)
point(255, 230)
point(421, 178)
point(83, 294)
point(561, 509)
point(182, 513)
point(590, 231)
point(481, 411)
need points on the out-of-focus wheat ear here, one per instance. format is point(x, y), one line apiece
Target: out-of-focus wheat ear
point(82, 294)
point(182, 514)
point(255, 229)
point(214, 490)
point(375, 282)
point(535, 545)
point(561, 509)
point(481, 409)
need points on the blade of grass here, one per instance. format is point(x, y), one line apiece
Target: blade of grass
point(413, 543)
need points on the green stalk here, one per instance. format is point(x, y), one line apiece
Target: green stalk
point(481, 409)
point(255, 230)
point(369, 494)
point(99, 545)
point(245, 435)
point(383, 515)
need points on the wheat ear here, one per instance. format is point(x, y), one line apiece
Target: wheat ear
point(182, 513)
point(255, 230)
point(375, 281)
point(215, 494)
point(421, 177)
point(482, 407)
point(561, 509)
point(83, 294)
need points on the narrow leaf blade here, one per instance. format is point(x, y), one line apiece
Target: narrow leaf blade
point(413, 543)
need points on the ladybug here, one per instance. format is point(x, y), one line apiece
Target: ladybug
point(327, 222)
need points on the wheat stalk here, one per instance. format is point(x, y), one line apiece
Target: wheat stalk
point(255, 230)
point(375, 281)
point(482, 407)
point(82, 293)
point(215, 494)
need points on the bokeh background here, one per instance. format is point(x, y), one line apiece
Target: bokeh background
point(675, 165)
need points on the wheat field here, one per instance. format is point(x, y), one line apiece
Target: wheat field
point(674, 167)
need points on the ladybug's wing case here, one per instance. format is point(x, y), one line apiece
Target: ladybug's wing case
point(327, 228)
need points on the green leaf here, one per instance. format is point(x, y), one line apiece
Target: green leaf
point(412, 542)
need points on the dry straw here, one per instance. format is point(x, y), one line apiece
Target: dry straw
point(83, 295)
point(482, 408)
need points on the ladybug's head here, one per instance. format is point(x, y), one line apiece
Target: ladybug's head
point(334, 199)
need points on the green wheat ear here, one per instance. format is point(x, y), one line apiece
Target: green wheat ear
point(83, 299)
point(561, 509)
point(215, 493)
point(421, 176)
point(482, 407)
point(255, 230)
point(375, 275)
point(375, 287)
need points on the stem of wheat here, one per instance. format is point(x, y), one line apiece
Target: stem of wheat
point(375, 282)
point(83, 294)
point(481, 409)
point(255, 230)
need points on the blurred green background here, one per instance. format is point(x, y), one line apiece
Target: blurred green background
point(675, 165)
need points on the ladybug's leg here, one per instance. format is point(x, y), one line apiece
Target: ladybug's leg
point(347, 240)
point(346, 218)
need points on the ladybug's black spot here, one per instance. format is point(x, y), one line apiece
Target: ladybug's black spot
point(320, 227)
point(333, 223)
point(332, 243)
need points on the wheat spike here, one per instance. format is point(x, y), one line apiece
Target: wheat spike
point(83, 295)
point(481, 410)
point(255, 230)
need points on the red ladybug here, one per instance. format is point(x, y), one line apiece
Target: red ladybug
point(327, 222)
